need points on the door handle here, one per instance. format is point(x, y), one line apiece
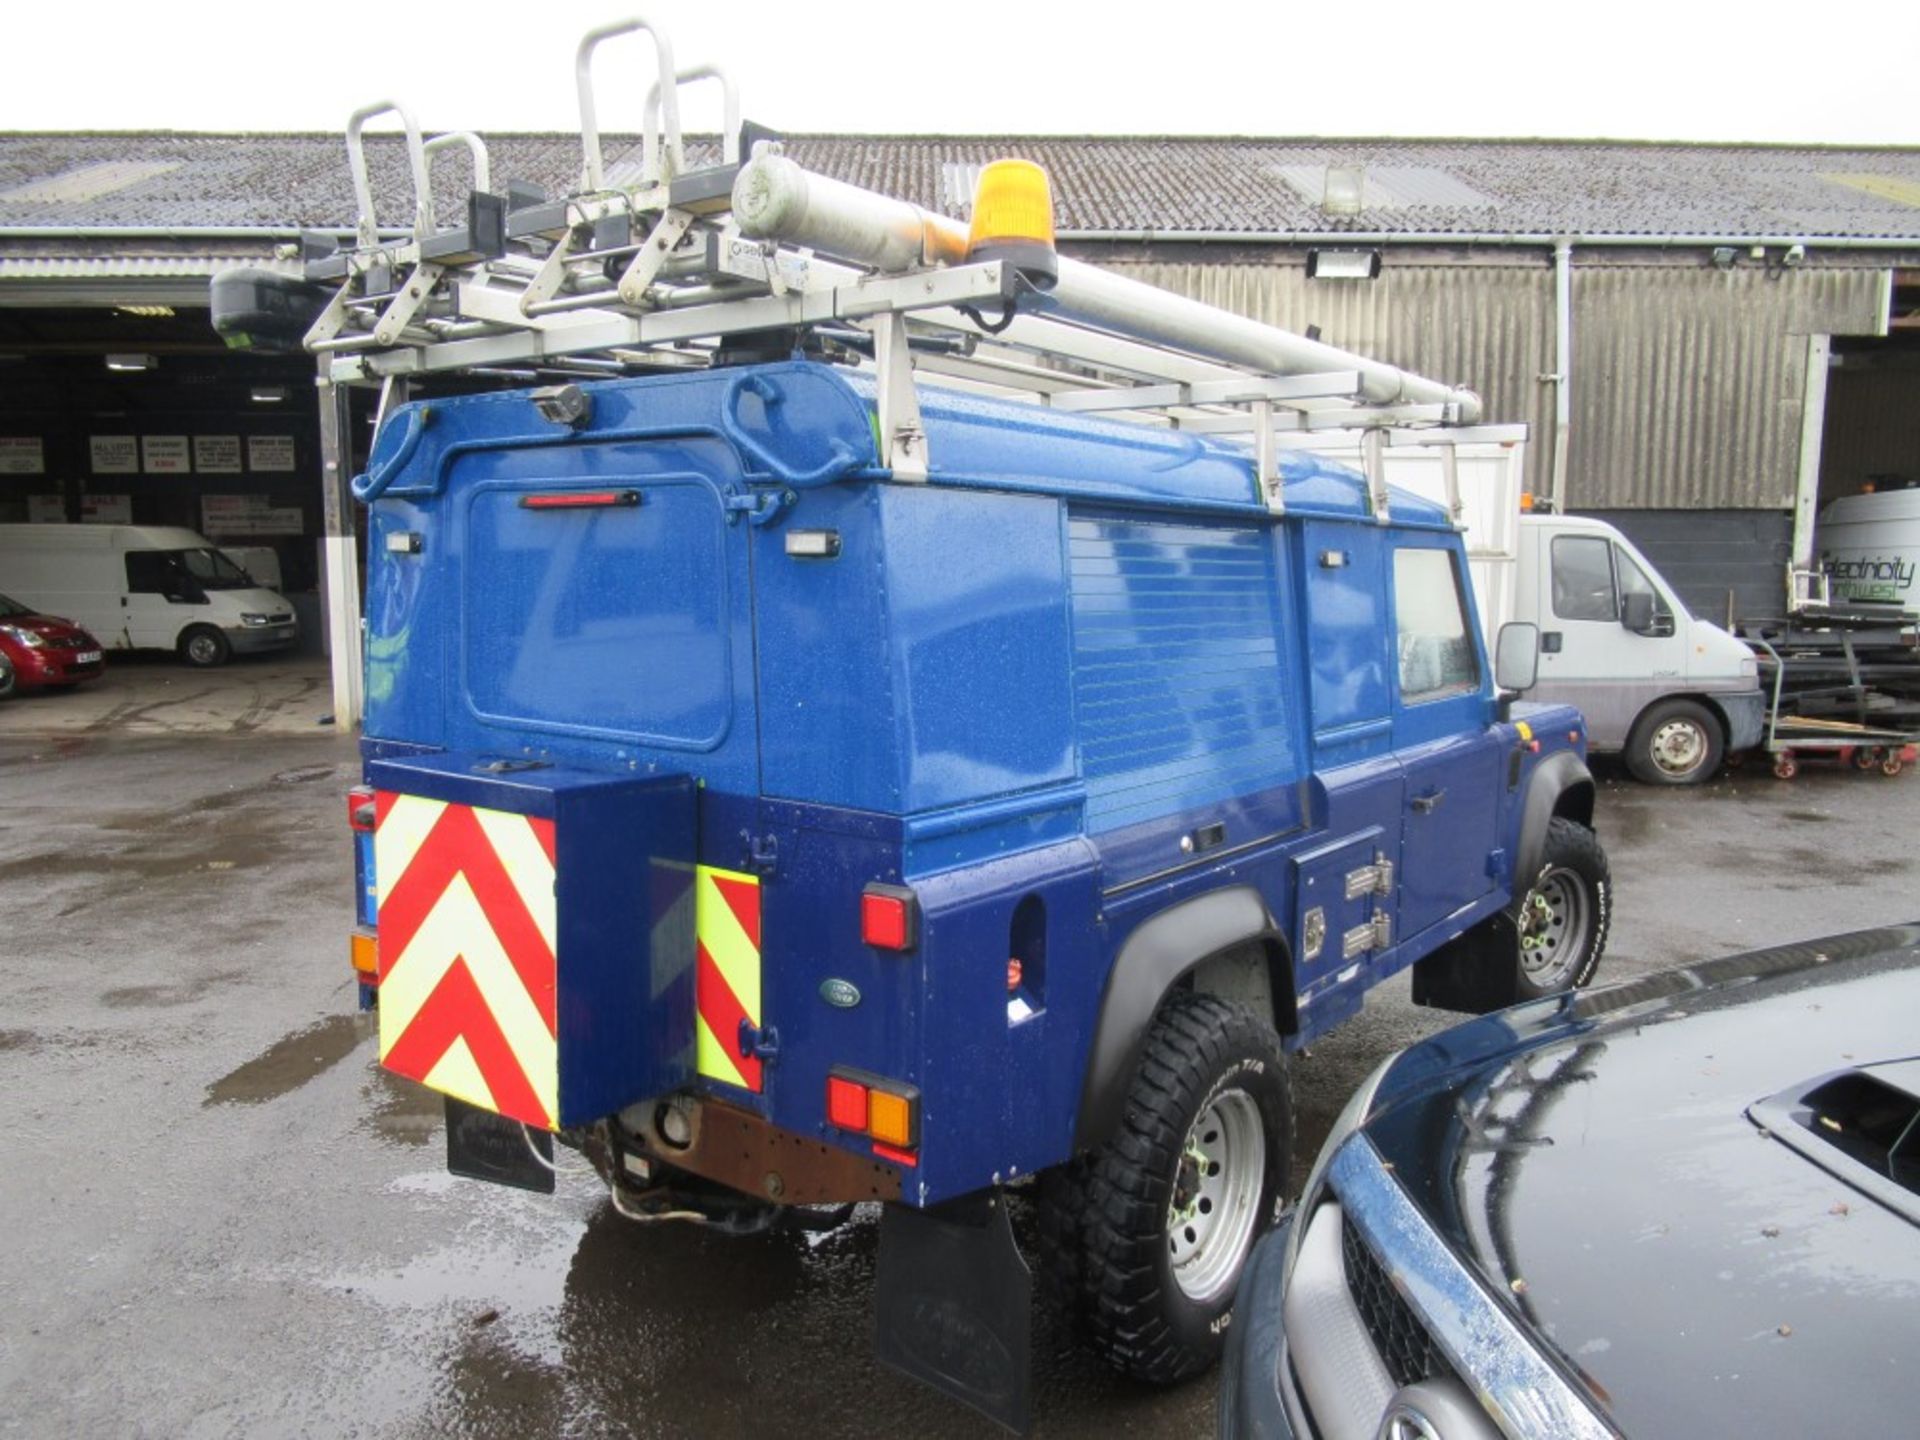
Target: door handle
point(1425, 804)
point(1550, 642)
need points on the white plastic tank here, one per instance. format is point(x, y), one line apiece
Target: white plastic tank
point(1870, 548)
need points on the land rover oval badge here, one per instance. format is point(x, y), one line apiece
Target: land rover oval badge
point(843, 994)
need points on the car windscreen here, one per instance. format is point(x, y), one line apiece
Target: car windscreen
point(14, 607)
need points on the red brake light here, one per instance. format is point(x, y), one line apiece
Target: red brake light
point(888, 917)
point(581, 500)
point(846, 1103)
point(360, 807)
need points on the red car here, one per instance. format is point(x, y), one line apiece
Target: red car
point(46, 650)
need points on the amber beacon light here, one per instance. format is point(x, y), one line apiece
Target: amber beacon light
point(1013, 220)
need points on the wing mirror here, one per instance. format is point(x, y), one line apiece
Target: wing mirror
point(1516, 661)
point(1640, 615)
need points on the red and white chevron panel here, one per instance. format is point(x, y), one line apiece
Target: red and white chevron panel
point(467, 953)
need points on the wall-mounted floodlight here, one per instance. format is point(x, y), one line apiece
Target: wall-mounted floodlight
point(1343, 264)
point(131, 362)
point(1723, 257)
point(267, 394)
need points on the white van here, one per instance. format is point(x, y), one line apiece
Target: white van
point(1671, 692)
point(145, 587)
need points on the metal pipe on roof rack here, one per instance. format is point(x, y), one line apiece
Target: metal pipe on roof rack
point(775, 199)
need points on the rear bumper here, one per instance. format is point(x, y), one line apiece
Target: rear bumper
point(256, 639)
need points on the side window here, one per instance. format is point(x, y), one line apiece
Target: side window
point(1583, 579)
point(147, 572)
point(1430, 619)
point(1634, 581)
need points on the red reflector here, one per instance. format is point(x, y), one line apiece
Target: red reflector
point(580, 500)
point(899, 1157)
point(887, 916)
point(360, 808)
point(846, 1103)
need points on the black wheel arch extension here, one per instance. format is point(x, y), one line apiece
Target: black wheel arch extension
point(1162, 951)
point(1561, 787)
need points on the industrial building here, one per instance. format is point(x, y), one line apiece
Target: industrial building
point(1708, 342)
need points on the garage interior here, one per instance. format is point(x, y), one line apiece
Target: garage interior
point(136, 414)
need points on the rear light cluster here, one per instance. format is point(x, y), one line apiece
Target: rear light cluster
point(363, 945)
point(885, 1111)
point(889, 917)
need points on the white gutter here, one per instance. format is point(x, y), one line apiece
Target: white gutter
point(1486, 237)
point(1563, 369)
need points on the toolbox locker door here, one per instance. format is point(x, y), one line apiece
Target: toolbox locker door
point(536, 930)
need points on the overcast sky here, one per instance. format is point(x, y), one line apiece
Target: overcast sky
point(1615, 68)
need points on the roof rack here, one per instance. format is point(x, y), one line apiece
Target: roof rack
point(662, 265)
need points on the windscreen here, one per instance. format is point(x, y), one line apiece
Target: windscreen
point(14, 607)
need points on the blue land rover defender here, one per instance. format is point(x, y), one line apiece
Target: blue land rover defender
point(901, 841)
point(832, 761)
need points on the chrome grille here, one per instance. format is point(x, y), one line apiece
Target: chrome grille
point(1405, 1347)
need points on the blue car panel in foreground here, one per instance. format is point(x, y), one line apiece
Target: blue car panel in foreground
point(1680, 1206)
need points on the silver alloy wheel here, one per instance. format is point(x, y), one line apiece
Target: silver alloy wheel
point(1555, 921)
point(1679, 746)
point(1212, 1216)
point(203, 649)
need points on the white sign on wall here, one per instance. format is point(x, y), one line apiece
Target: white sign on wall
point(106, 509)
point(22, 455)
point(46, 510)
point(114, 454)
point(270, 454)
point(216, 454)
point(165, 455)
point(248, 515)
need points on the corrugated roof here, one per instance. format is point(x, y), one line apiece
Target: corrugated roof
point(1102, 184)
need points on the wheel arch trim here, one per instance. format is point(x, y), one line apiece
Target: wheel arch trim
point(1156, 956)
point(1561, 785)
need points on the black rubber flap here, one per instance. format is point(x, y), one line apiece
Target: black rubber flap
point(953, 1305)
point(484, 1146)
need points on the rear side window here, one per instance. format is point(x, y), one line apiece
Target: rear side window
point(1430, 618)
point(1583, 579)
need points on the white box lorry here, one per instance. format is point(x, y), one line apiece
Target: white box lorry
point(145, 587)
point(1674, 694)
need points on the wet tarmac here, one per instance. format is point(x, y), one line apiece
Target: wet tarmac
point(222, 1219)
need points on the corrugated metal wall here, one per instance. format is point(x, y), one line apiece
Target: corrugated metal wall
point(1486, 326)
point(1688, 381)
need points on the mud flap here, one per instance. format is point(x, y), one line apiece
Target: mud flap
point(484, 1146)
point(952, 1304)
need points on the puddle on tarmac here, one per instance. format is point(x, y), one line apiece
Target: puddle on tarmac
point(397, 1109)
point(160, 997)
point(290, 1062)
point(305, 774)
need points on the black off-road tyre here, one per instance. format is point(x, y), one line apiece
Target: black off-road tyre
point(1676, 742)
point(203, 647)
point(1109, 1236)
point(1564, 915)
